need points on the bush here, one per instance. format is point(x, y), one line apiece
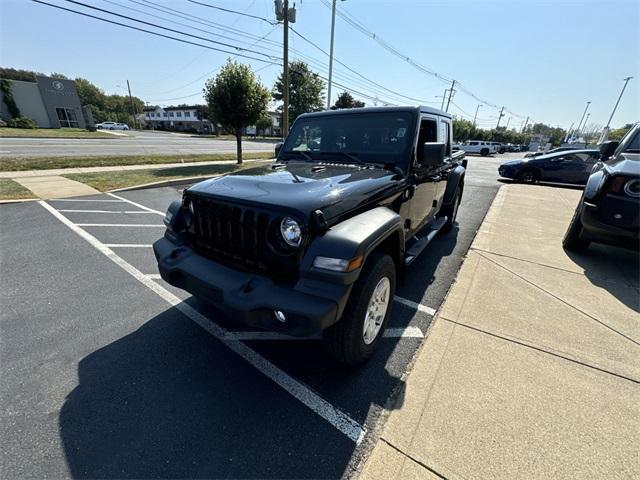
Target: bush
point(3, 123)
point(22, 122)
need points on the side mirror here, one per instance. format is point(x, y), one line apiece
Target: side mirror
point(607, 149)
point(432, 154)
point(278, 148)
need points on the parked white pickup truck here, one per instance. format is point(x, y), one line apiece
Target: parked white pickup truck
point(477, 146)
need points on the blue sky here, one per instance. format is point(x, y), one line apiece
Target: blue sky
point(542, 59)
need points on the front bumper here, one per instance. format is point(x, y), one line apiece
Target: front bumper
point(506, 172)
point(251, 299)
point(598, 224)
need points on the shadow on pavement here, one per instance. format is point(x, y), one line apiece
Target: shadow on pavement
point(614, 269)
point(170, 401)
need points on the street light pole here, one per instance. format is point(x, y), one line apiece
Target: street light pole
point(585, 124)
point(525, 124)
point(476, 115)
point(285, 72)
point(626, 80)
point(333, 28)
point(582, 118)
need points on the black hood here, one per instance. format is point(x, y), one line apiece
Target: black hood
point(304, 187)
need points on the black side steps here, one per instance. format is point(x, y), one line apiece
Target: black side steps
point(420, 244)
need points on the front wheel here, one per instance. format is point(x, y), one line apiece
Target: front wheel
point(484, 152)
point(572, 240)
point(355, 337)
point(528, 175)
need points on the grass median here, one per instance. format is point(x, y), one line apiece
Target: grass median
point(52, 133)
point(10, 190)
point(45, 163)
point(105, 181)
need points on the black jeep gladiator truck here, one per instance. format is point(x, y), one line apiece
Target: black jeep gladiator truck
point(316, 241)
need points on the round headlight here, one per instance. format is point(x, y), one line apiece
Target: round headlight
point(632, 188)
point(291, 231)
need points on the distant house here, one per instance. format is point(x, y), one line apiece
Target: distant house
point(274, 130)
point(183, 118)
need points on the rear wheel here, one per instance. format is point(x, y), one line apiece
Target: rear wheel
point(484, 152)
point(451, 212)
point(528, 175)
point(572, 240)
point(355, 337)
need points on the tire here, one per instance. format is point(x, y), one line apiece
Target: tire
point(484, 152)
point(451, 212)
point(572, 240)
point(528, 175)
point(346, 341)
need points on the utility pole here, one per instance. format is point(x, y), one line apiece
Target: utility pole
point(444, 95)
point(582, 118)
point(500, 117)
point(508, 122)
point(476, 115)
point(525, 125)
point(333, 28)
point(626, 80)
point(133, 113)
point(285, 72)
point(451, 91)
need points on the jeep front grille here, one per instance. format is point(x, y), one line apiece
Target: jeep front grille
point(240, 236)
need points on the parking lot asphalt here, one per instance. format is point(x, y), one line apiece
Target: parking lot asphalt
point(135, 143)
point(110, 372)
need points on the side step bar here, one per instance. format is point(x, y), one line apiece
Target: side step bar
point(417, 248)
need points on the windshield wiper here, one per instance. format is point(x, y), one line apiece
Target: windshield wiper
point(299, 152)
point(345, 154)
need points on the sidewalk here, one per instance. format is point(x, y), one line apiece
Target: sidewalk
point(47, 184)
point(117, 168)
point(531, 368)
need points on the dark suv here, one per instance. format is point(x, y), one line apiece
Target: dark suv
point(316, 241)
point(609, 209)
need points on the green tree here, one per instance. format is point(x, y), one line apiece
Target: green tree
point(618, 133)
point(346, 100)
point(90, 94)
point(305, 90)
point(236, 99)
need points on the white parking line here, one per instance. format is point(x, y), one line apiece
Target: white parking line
point(416, 306)
point(135, 204)
point(133, 225)
point(84, 200)
point(105, 211)
point(126, 245)
point(341, 421)
point(408, 332)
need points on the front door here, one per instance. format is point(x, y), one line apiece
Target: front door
point(424, 177)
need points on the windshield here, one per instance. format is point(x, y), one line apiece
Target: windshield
point(373, 138)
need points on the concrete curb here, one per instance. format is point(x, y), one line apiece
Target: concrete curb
point(165, 183)
point(18, 200)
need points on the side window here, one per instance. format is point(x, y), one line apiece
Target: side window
point(446, 135)
point(428, 134)
point(634, 145)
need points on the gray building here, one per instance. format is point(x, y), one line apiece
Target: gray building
point(50, 102)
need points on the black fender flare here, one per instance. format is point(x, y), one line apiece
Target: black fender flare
point(357, 236)
point(351, 238)
point(455, 178)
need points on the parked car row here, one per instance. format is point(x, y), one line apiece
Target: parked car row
point(485, 148)
point(112, 126)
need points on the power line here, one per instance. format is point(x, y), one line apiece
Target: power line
point(169, 29)
point(182, 40)
point(235, 12)
point(355, 23)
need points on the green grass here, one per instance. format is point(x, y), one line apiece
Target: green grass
point(52, 133)
point(10, 190)
point(44, 163)
point(105, 181)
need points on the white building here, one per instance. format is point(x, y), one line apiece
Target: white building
point(183, 118)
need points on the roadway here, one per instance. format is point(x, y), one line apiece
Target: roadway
point(134, 143)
